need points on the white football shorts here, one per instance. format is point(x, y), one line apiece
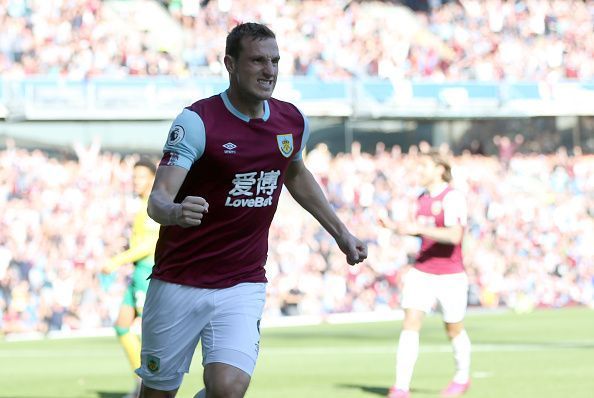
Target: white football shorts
point(176, 317)
point(422, 290)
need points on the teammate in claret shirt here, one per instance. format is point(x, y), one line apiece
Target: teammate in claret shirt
point(215, 193)
point(437, 276)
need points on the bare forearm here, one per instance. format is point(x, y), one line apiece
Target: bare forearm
point(162, 209)
point(448, 236)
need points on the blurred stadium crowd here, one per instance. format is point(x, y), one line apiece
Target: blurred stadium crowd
point(528, 243)
point(531, 215)
point(459, 40)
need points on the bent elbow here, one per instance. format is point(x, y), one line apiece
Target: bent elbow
point(457, 239)
point(150, 208)
point(456, 236)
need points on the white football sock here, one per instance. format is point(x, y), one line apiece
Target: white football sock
point(462, 348)
point(406, 357)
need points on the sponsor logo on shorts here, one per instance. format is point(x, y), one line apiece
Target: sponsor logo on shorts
point(258, 342)
point(153, 363)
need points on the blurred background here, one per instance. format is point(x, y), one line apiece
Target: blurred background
point(504, 87)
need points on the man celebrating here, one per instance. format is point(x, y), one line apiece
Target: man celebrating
point(215, 194)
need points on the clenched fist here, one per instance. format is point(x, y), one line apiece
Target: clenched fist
point(191, 211)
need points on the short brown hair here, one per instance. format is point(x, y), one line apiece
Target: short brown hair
point(440, 160)
point(252, 30)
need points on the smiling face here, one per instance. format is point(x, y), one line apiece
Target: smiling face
point(254, 71)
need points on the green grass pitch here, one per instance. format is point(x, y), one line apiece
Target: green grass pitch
point(544, 354)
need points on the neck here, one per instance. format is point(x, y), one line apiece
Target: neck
point(248, 106)
point(436, 187)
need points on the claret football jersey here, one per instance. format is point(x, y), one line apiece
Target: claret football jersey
point(444, 209)
point(238, 165)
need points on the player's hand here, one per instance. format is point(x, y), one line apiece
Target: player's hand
point(385, 222)
point(191, 211)
point(108, 267)
point(355, 250)
point(398, 228)
point(402, 272)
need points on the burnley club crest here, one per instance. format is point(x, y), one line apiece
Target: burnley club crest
point(285, 144)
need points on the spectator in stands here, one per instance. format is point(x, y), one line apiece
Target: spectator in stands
point(457, 40)
point(528, 241)
point(507, 148)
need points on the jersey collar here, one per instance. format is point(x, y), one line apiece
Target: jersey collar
point(437, 189)
point(240, 115)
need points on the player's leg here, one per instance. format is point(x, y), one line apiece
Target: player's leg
point(453, 298)
point(173, 318)
point(417, 299)
point(213, 373)
point(132, 306)
point(230, 342)
point(200, 394)
point(147, 392)
point(407, 352)
point(225, 381)
point(129, 341)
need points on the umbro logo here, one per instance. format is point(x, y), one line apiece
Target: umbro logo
point(230, 147)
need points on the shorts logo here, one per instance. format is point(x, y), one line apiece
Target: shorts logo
point(285, 144)
point(153, 363)
point(258, 342)
point(176, 134)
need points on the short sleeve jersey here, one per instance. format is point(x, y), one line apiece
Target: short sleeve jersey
point(446, 209)
point(238, 165)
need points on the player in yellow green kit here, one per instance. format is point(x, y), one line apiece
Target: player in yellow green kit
point(141, 252)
